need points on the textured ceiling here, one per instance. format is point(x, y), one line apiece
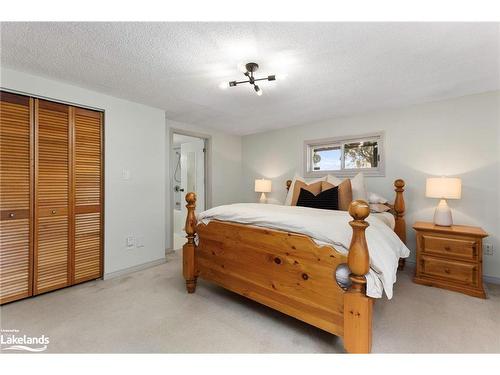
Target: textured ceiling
point(333, 69)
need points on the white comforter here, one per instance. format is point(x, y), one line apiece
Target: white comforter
point(324, 226)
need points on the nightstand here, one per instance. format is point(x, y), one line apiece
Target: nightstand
point(450, 257)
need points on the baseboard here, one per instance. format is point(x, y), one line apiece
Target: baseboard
point(139, 267)
point(410, 262)
point(491, 279)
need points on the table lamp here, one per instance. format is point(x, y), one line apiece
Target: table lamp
point(443, 188)
point(263, 186)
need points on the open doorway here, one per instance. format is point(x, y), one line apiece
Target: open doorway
point(188, 171)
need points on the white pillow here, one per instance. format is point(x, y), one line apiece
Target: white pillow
point(357, 185)
point(289, 196)
point(375, 198)
point(334, 180)
point(379, 207)
point(359, 188)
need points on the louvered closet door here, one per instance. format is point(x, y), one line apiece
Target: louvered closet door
point(15, 201)
point(88, 195)
point(51, 252)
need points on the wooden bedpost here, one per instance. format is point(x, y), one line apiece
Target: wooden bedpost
point(188, 250)
point(358, 306)
point(399, 214)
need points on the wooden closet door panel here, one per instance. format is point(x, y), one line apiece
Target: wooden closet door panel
point(87, 246)
point(87, 157)
point(15, 196)
point(88, 194)
point(52, 255)
point(15, 260)
point(52, 155)
point(15, 152)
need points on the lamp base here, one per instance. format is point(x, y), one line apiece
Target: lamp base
point(263, 198)
point(442, 215)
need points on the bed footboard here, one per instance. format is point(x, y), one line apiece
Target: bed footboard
point(286, 271)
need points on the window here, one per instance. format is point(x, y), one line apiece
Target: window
point(345, 156)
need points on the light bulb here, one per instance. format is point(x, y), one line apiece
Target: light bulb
point(258, 90)
point(223, 85)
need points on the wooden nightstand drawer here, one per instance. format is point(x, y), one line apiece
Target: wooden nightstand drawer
point(458, 248)
point(464, 273)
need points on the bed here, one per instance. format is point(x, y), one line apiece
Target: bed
point(297, 273)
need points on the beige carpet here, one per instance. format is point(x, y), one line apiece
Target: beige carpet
point(149, 311)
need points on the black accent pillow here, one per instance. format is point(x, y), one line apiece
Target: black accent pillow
point(326, 200)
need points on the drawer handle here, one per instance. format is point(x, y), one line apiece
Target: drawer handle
point(11, 215)
point(53, 212)
point(447, 270)
point(277, 260)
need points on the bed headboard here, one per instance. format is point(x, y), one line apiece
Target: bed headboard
point(397, 209)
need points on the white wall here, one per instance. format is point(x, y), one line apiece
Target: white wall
point(134, 140)
point(458, 137)
point(225, 167)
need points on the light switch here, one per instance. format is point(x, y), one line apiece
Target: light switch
point(125, 174)
point(130, 241)
point(139, 241)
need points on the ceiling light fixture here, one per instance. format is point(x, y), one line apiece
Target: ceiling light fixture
point(250, 69)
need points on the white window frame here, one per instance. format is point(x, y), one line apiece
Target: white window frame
point(379, 171)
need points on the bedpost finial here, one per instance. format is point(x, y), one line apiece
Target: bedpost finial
point(399, 183)
point(191, 198)
point(359, 209)
point(191, 216)
point(358, 259)
point(188, 250)
point(399, 213)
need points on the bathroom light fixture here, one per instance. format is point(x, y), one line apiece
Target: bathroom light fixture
point(250, 69)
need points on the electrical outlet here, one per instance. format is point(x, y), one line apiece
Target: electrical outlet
point(130, 241)
point(139, 242)
point(488, 249)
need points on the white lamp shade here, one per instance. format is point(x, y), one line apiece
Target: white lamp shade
point(443, 188)
point(262, 186)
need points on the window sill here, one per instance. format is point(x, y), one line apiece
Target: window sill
point(346, 173)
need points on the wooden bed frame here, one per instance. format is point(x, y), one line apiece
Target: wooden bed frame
point(289, 272)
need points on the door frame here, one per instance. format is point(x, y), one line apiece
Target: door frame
point(208, 175)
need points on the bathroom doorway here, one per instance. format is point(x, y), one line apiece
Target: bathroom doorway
point(188, 166)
